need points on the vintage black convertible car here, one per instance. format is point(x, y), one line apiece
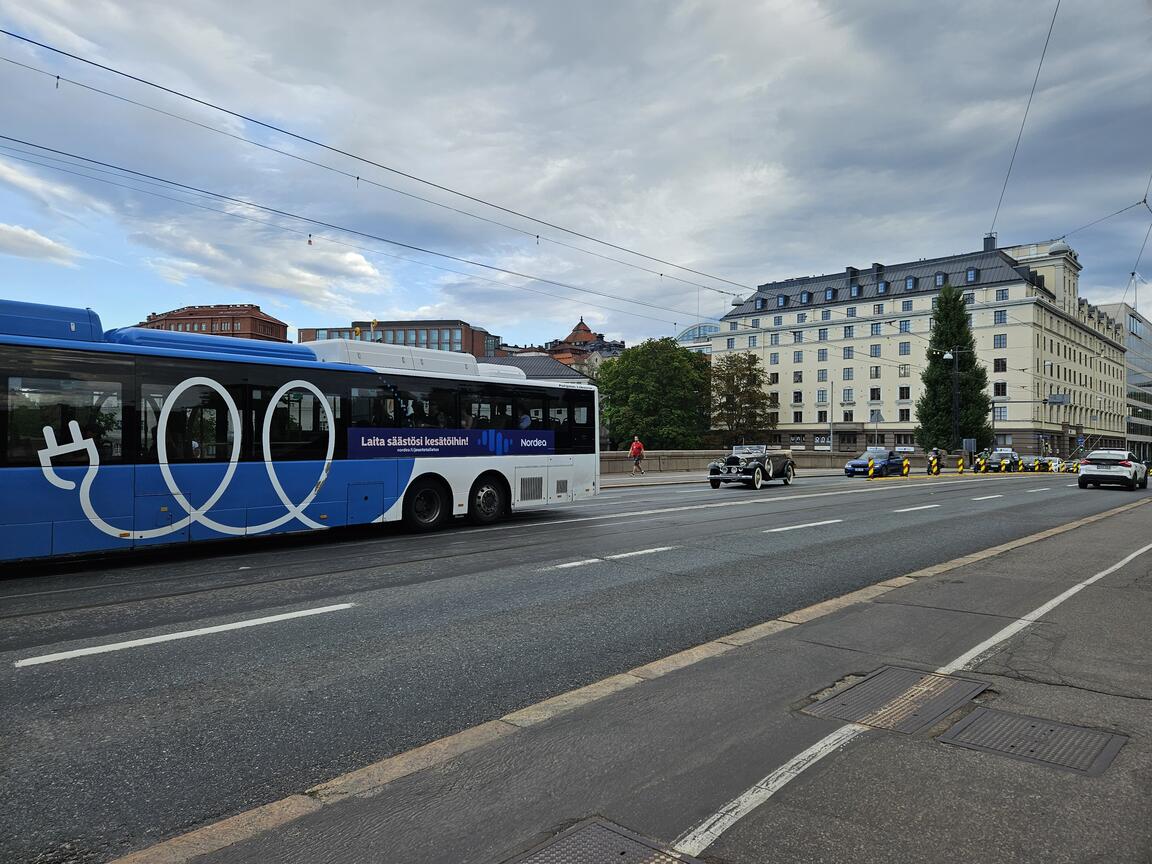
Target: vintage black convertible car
point(753, 465)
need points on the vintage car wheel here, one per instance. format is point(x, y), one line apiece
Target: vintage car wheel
point(715, 484)
point(757, 478)
point(788, 474)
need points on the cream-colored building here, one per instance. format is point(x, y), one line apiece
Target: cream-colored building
point(845, 352)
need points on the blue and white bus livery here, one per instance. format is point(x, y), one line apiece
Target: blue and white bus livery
point(139, 437)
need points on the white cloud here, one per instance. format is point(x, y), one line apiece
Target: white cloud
point(23, 242)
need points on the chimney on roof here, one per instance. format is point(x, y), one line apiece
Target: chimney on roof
point(877, 270)
point(990, 241)
point(851, 273)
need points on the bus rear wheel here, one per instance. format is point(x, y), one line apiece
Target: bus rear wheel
point(426, 505)
point(487, 501)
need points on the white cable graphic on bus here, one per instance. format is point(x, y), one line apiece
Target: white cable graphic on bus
point(194, 514)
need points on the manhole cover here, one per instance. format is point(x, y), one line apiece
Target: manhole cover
point(597, 841)
point(1074, 748)
point(903, 700)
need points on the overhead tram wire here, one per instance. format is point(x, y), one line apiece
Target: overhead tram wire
point(353, 231)
point(300, 233)
point(1024, 120)
point(332, 149)
point(357, 178)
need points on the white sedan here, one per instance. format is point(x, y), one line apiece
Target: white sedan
point(1118, 467)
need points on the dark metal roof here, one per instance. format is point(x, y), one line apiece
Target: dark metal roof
point(993, 267)
point(539, 368)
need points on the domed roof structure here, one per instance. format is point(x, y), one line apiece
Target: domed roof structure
point(581, 333)
point(1060, 248)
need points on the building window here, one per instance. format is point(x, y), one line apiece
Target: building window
point(777, 320)
point(904, 370)
point(821, 416)
point(773, 338)
point(850, 312)
point(731, 343)
point(905, 415)
point(821, 397)
point(822, 334)
point(874, 329)
point(904, 439)
point(971, 275)
point(874, 350)
point(1000, 340)
point(844, 438)
point(905, 348)
point(1000, 388)
point(906, 306)
point(797, 336)
point(1001, 293)
point(849, 352)
point(781, 301)
point(825, 314)
point(755, 324)
point(732, 325)
point(848, 394)
point(941, 280)
point(821, 374)
point(847, 373)
point(829, 294)
point(1000, 412)
point(802, 318)
point(798, 376)
point(878, 309)
point(873, 394)
point(905, 326)
point(805, 297)
point(910, 283)
point(999, 365)
point(873, 372)
point(822, 355)
point(849, 331)
point(751, 341)
point(797, 416)
point(881, 287)
point(773, 359)
point(759, 303)
point(969, 298)
point(1000, 316)
point(854, 290)
point(904, 392)
point(797, 397)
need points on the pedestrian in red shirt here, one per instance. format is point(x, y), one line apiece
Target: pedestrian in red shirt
point(636, 451)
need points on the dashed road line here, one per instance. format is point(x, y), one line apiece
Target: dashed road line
point(913, 509)
point(1045, 489)
point(805, 525)
point(183, 634)
point(987, 497)
point(638, 552)
point(585, 561)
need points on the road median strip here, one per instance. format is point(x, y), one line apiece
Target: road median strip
point(371, 779)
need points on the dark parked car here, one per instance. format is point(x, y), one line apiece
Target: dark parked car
point(752, 465)
point(884, 462)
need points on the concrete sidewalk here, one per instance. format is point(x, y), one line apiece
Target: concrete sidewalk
point(665, 747)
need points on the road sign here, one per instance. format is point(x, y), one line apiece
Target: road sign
point(969, 445)
point(1080, 441)
point(1057, 398)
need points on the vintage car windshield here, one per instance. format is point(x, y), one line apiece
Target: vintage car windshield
point(748, 450)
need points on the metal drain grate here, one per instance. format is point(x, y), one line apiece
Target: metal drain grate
point(1073, 748)
point(598, 841)
point(903, 700)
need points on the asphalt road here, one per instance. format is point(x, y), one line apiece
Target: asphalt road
point(114, 751)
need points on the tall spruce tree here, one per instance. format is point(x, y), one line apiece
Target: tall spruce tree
point(740, 404)
point(934, 408)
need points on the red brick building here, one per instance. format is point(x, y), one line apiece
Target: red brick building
point(244, 320)
point(441, 335)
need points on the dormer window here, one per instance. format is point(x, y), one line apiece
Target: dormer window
point(781, 301)
point(910, 283)
point(829, 293)
point(881, 287)
point(805, 297)
point(759, 302)
point(853, 290)
point(971, 275)
point(941, 280)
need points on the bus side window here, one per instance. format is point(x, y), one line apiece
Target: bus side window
point(35, 402)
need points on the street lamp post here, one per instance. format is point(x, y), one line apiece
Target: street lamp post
point(954, 356)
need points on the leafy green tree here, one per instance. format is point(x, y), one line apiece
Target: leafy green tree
point(934, 407)
point(740, 404)
point(658, 390)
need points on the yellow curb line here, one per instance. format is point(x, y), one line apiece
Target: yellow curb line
point(371, 779)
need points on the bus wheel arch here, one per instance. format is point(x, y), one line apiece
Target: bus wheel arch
point(427, 502)
point(490, 498)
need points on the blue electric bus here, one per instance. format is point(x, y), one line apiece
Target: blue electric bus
point(137, 437)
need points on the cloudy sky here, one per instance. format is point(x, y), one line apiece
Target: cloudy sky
point(749, 141)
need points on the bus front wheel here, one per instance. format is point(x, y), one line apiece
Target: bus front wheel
point(487, 501)
point(426, 505)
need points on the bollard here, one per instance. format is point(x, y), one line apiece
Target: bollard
point(871, 467)
point(906, 468)
point(983, 464)
point(1003, 465)
point(934, 466)
point(960, 465)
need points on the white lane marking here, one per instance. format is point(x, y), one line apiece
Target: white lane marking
point(699, 838)
point(183, 634)
point(987, 497)
point(921, 507)
point(638, 552)
point(582, 562)
point(1044, 489)
point(806, 525)
point(1070, 485)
